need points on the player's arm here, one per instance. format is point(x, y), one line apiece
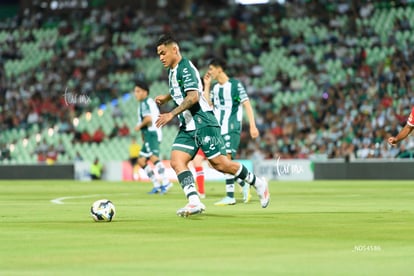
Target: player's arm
point(254, 132)
point(162, 99)
point(147, 121)
point(407, 129)
point(207, 88)
point(190, 99)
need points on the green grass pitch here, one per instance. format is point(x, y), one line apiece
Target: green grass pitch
point(309, 228)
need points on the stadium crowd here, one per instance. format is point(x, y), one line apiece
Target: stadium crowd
point(346, 119)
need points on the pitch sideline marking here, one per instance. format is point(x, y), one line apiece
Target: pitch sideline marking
point(59, 200)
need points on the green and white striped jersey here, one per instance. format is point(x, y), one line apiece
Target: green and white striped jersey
point(148, 107)
point(185, 77)
point(227, 100)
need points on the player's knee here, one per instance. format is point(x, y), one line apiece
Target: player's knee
point(177, 165)
point(219, 164)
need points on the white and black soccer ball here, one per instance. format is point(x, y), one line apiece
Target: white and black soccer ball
point(103, 210)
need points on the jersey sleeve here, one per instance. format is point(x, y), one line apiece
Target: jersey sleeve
point(145, 109)
point(190, 80)
point(410, 120)
point(242, 92)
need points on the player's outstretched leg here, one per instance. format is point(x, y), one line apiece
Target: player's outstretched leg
point(262, 189)
point(261, 185)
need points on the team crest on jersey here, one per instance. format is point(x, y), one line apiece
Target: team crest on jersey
point(199, 120)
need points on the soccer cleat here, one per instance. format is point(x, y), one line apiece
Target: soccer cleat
point(169, 186)
point(191, 209)
point(246, 193)
point(154, 190)
point(262, 189)
point(226, 201)
point(165, 188)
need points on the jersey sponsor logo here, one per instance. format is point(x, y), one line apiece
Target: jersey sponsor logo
point(191, 84)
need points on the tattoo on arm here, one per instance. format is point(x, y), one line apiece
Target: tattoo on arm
point(189, 101)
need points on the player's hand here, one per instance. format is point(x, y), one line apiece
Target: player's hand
point(161, 99)
point(137, 128)
point(207, 79)
point(392, 141)
point(164, 119)
point(254, 132)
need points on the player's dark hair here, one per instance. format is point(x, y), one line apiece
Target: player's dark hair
point(143, 85)
point(166, 39)
point(218, 62)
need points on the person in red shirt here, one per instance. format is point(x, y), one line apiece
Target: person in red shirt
point(85, 137)
point(41, 157)
point(404, 132)
point(51, 155)
point(123, 131)
point(98, 135)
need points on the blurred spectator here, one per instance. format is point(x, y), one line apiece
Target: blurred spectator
point(404, 153)
point(33, 117)
point(4, 152)
point(60, 147)
point(41, 147)
point(85, 137)
point(41, 158)
point(119, 131)
point(78, 157)
point(99, 135)
point(115, 131)
point(124, 130)
point(51, 155)
point(65, 126)
point(134, 150)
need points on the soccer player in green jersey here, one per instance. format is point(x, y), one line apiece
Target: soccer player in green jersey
point(151, 138)
point(199, 128)
point(227, 97)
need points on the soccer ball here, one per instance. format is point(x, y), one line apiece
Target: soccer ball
point(103, 210)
